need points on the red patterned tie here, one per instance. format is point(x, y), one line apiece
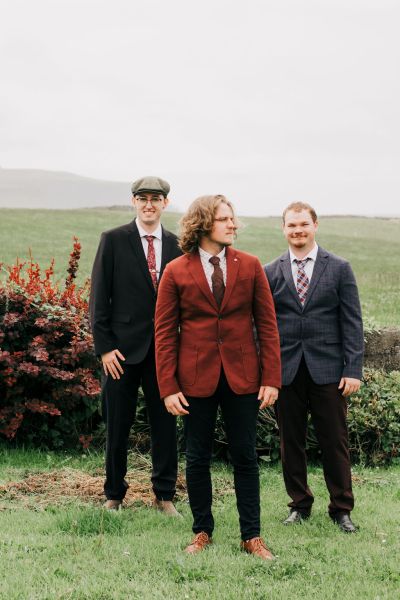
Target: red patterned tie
point(217, 279)
point(151, 259)
point(302, 279)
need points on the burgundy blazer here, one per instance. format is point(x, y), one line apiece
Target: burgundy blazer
point(194, 337)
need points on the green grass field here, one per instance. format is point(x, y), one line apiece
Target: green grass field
point(71, 549)
point(74, 550)
point(371, 245)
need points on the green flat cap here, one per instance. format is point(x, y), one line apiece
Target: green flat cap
point(151, 184)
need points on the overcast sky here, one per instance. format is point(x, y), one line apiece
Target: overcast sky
point(265, 101)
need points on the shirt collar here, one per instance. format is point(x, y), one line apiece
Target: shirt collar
point(157, 233)
point(312, 255)
point(206, 255)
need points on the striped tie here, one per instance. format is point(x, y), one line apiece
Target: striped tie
point(302, 279)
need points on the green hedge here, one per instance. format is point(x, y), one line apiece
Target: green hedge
point(374, 418)
point(373, 422)
point(49, 377)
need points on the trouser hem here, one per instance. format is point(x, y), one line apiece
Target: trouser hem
point(250, 536)
point(197, 530)
point(163, 496)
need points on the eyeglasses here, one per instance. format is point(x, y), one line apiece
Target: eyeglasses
point(154, 200)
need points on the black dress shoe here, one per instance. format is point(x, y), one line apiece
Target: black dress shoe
point(296, 516)
point(344, 522)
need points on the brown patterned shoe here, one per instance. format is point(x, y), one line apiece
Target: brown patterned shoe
point(113, 504)
point(200, 541)
point(167, 507)
point(257, 547)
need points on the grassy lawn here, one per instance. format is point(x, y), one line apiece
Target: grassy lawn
point(69, 548)
point(371, 245)
point(74, 550)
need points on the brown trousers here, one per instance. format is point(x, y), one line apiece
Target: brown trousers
point(328, 410)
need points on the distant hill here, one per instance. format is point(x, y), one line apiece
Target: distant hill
point(31, 188)
point(34, 188)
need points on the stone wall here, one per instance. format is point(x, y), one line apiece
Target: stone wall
point(382, 349)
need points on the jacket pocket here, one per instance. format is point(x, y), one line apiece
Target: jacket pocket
point(333, 340)
point(251, 362)
point(187, 365)
point(120, 317)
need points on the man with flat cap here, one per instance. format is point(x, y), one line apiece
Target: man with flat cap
point(127, 269)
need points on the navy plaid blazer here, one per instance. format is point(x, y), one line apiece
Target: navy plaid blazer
point(328, 329)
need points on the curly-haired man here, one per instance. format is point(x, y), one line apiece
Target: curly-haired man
point(209, 300)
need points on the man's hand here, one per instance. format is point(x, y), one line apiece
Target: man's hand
point(111, 363)
point(349, 385)
point(268, 395)
point(173, 404)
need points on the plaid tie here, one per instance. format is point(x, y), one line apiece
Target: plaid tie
point(151, 259)
point(217, 279)
point(302, 279)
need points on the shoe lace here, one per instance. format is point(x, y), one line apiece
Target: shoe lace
point(259, 544)
point(201, 537)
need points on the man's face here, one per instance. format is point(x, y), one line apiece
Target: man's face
point(299, 230)
point(223, 230)
point(149, 207)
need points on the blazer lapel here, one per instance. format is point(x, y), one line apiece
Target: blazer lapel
point(232, 270)
point(286, 268)
point(319, 268)
point(166, 251)
point(137, 247)
point(197, 272)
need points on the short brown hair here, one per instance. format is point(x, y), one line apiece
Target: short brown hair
point(298, 207)
point(199, 219)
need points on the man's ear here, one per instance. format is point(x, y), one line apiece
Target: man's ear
point(166, 201)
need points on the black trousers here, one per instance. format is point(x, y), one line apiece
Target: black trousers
point(119, 405)
point(240, 415)
point(328, 410)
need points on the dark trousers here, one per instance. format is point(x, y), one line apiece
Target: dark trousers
point(240, 417)
point(119, 402)
point(328, 410)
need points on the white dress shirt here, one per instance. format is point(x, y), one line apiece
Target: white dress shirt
point(209, 268)
point(309, 268)
point(157, 242)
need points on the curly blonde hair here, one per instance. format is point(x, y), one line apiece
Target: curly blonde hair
point(198, 221)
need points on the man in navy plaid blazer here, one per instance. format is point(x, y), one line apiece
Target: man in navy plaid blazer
point(320, 326)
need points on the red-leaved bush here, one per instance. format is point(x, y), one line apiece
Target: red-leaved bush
point(49, 376)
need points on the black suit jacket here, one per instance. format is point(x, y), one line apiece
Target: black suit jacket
point(122, 298)
point(328, 329)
